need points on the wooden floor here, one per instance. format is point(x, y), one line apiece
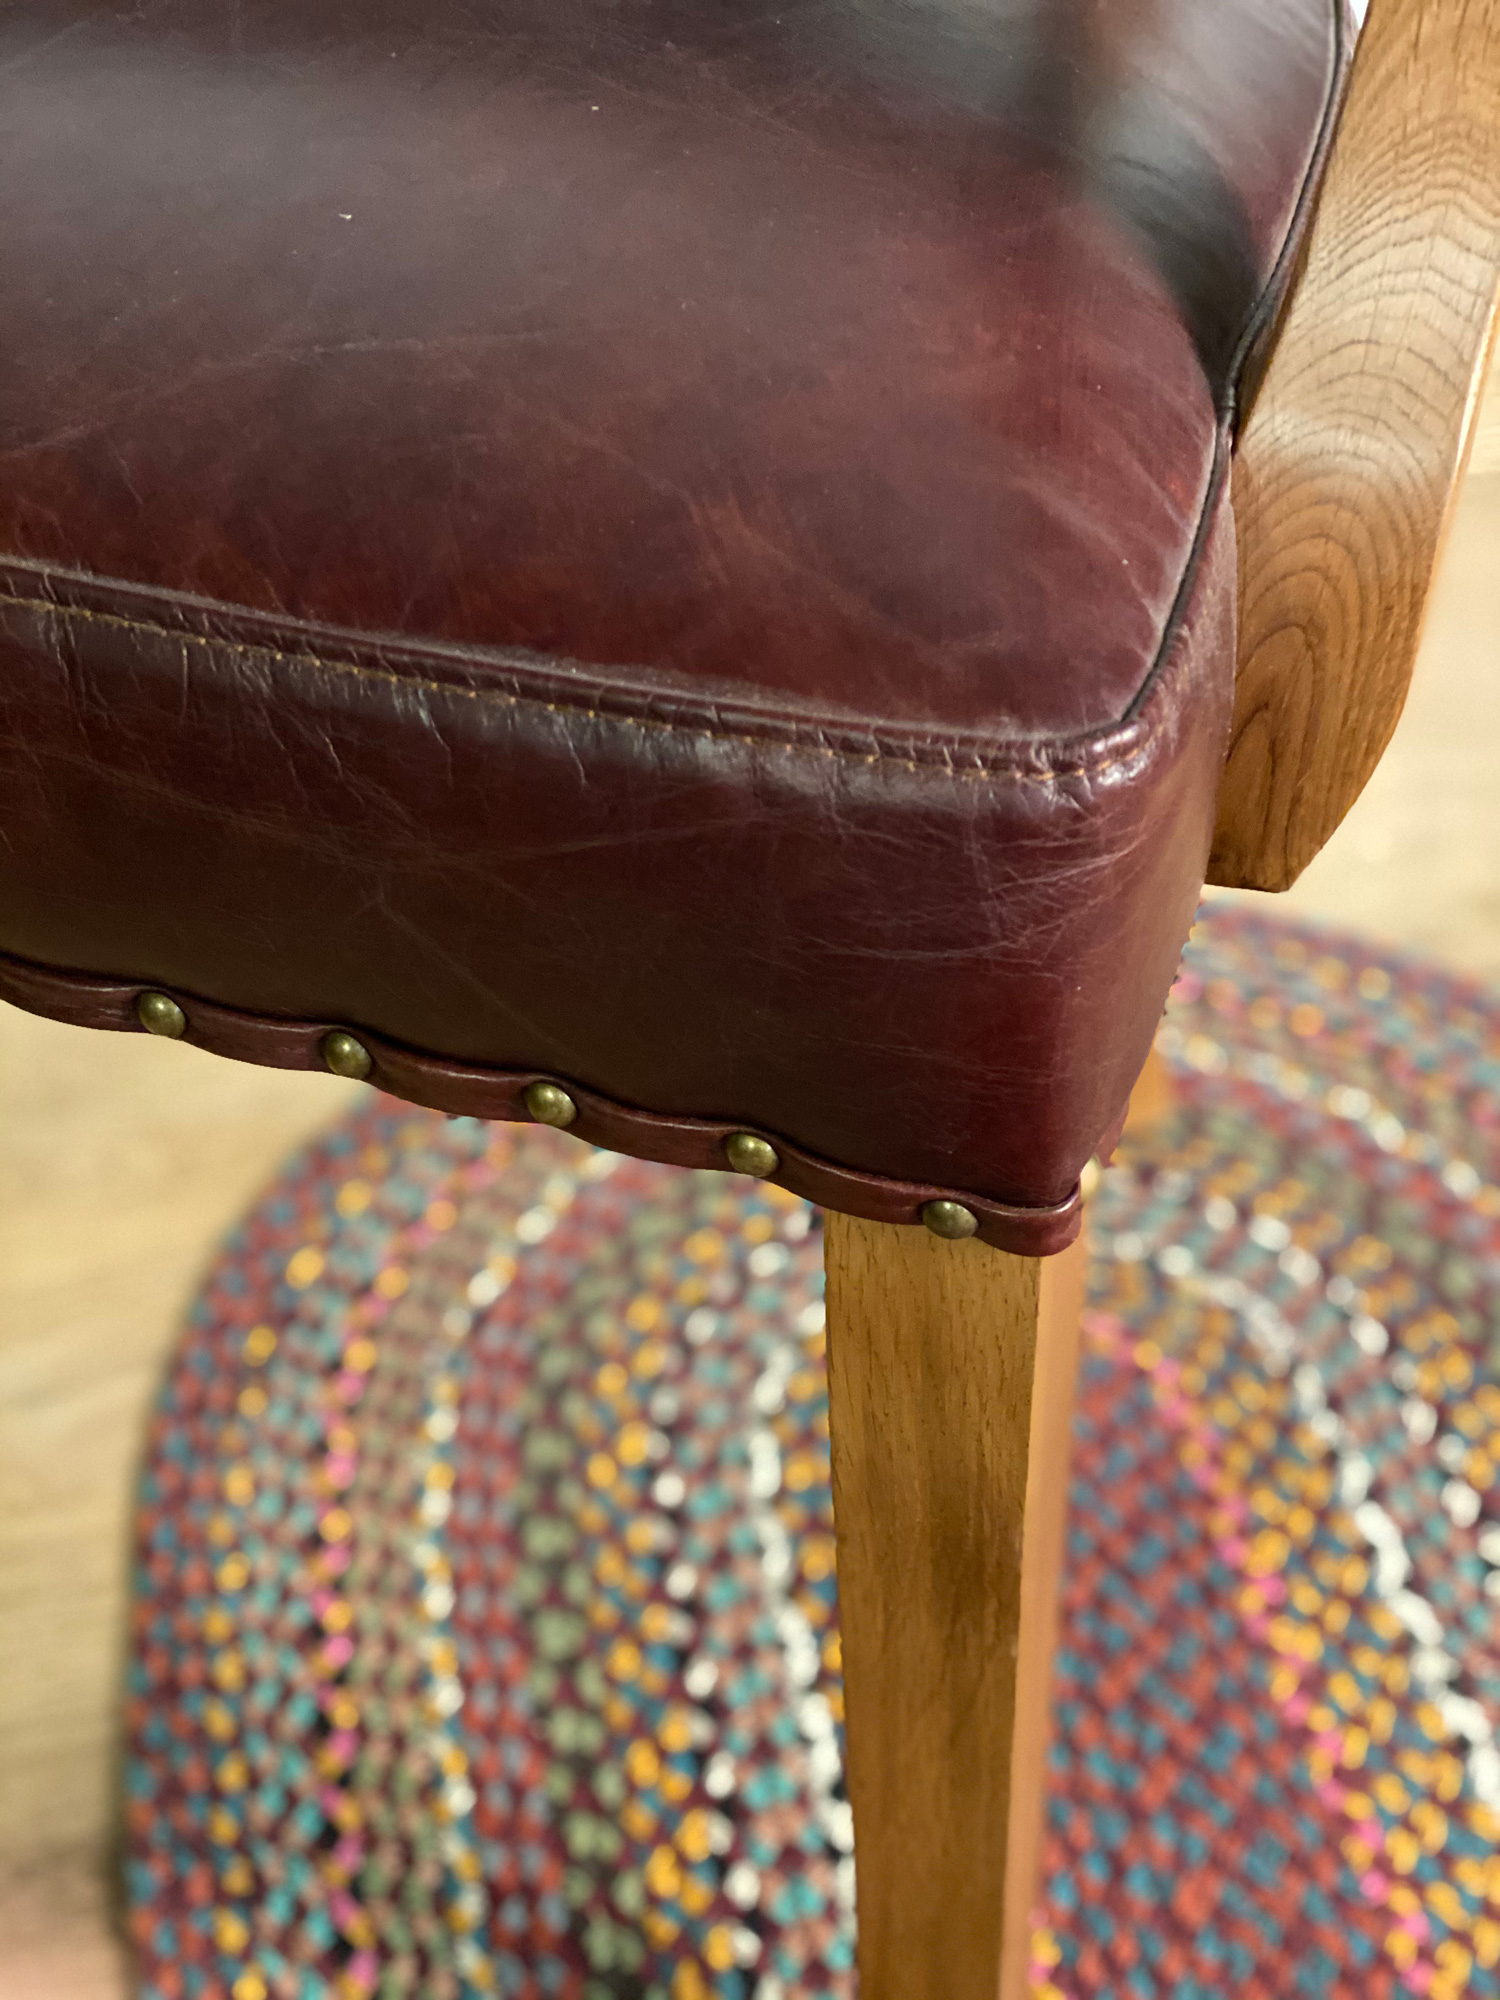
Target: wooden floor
point(122, 1159)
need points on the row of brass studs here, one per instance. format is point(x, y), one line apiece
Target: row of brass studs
point(747, 1153)
point(548, 1104)
point(344, 1054)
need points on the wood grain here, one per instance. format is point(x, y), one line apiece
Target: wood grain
point(1484, 452)
point(932, 1357)
point(1349, 461)
point(1044, 1536)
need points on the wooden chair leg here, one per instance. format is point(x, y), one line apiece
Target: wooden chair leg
point(951, 1373)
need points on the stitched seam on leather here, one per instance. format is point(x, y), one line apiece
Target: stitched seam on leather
point(989, 767)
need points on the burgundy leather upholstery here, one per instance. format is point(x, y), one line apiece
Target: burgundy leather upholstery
point(669, 546)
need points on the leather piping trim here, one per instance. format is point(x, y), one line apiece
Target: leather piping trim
point(1263, 314)
point(544, 684)
point(1259, 323)
point(467, 1090)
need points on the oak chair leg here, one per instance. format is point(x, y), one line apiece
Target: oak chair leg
point(951, 1371)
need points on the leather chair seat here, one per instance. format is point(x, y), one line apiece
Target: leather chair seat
point(678, 549)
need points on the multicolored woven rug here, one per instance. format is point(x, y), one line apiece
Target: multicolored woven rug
point(486, 1640)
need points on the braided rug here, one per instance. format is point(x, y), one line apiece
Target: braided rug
point(485, 1637)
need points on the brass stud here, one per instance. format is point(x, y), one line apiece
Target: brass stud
point(550, 1104)
point(346, 1056)
point(160, 1015)
point(950, 1219)
point(748, 1154)
point(1089, 1179)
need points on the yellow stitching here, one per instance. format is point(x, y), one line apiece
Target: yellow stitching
point(409, 680)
